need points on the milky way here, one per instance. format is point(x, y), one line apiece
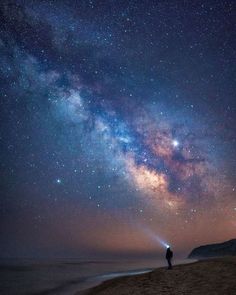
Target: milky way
point(116, 119)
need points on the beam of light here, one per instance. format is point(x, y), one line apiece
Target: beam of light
point(156, 238)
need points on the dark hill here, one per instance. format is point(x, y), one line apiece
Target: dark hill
point(214, 250)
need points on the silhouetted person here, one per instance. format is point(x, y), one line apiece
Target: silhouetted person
point(169, 255)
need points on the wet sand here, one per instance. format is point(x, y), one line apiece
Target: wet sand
point(206, 277)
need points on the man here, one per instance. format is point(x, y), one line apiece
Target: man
point(169, 255)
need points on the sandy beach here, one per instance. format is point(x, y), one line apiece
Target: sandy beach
point(206, 277)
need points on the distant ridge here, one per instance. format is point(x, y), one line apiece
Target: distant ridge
point(214, 250)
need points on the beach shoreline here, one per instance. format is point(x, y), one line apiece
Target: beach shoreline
point(209, 277)
point(65, 276)
point(100, 279)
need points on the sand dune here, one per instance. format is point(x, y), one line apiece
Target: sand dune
point(207, 277)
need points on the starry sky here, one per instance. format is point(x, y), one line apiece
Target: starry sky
point(118, 123)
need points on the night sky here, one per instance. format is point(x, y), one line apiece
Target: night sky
point(118, 120)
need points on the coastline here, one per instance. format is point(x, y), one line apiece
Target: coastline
point(100, 279)
point(66, 276)
point(209, 277)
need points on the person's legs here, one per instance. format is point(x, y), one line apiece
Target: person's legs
point(169, 264)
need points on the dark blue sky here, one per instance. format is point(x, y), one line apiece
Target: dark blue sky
point(115, 117)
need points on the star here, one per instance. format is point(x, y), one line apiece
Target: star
point(175, 143)
point(58, 181)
